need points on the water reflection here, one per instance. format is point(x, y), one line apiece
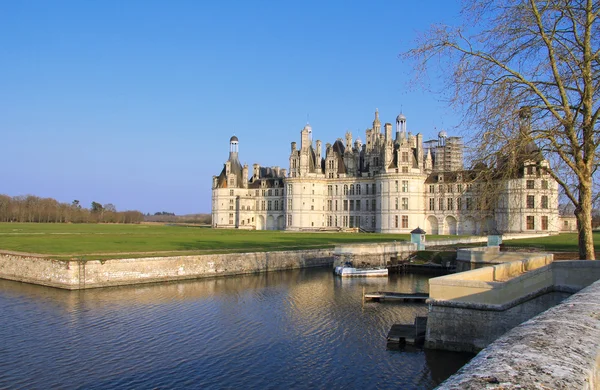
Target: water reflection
point(298, 328)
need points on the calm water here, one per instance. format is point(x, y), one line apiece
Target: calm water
point(293, 329)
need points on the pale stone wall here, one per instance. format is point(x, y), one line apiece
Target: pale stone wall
point(74, 274)
point(373, 255)
point(558, 349)
point(469, 310)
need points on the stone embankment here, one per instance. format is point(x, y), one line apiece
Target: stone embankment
point(558, 349)
point(78, 274)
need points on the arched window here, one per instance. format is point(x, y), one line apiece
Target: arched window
point(358, 189)
point(345, 189)
point(351, 189)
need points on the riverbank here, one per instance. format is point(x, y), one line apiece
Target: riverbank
point(80, 274)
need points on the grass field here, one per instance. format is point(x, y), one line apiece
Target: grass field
point(560, 243)
point(97, 241)
point(102, 241)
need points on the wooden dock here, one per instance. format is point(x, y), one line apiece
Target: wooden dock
point(395, 296)
point(405, 334)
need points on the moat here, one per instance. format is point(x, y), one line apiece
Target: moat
point(291, 329)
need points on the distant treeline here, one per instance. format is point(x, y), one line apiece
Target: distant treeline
point(29, 208)
point(200, 219)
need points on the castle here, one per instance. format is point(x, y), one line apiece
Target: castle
point(391, 184)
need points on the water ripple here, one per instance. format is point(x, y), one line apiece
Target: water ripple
point(293, 329)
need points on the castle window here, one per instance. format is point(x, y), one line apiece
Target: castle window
point(459, 187)
point(230, 192)
point(336, 190)
point(367, 205)
point(530, 201)
point(277, 192)
point(351, 189)
point(530, 184)
point(545, 184)
point(367, 189)
point(373, 204)
point(441, 201)
point(352, 221)
point(336, 207)
point(262, 205)
point(289, 220)
point(469, 204)
point(312, 206)
point(530, 170)
point(395, 221)
point(351, 204)
point(270, 192)
point(358, 205)
point(431, 188)
point(404, 203)
point(530, 222)
point(358, 189)
point(405, 222)
point(373, 188)
point(404, 156)
point(459, 204)
point(345, 205)
point(264, 192)
point(276, 205)
point(289, 189)
point(450, 204)
point(373, 222)
point(329, 204)
point(396, 204)
point(345, 189)
point(544, 222)
point(289, 204)
point(450, 188)
point(396, 183)
point(405, 169)
point(329, 190)
point(431, 204)
point(404, 185)
point(544, 201)
point(345, 221)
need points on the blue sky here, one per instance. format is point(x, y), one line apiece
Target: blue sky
point(133, 102)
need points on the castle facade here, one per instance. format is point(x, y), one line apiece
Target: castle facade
point(392, 183)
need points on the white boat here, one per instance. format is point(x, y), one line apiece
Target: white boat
point(349, 271)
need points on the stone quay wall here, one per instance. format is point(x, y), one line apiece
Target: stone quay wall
point(75, 274)
point(558, 349)
point(372, 254)
point(469, 310)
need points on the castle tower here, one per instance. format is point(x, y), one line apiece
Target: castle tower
point(400, 127)
point(233, 148)
point(377, 123)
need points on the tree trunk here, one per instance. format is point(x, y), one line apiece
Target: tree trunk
point(583, 212)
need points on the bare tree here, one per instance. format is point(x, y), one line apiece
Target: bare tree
point(539, 55)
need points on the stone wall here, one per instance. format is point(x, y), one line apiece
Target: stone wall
point(372, 255)
point(558, 349)
point(467, 311)
point(74, 274)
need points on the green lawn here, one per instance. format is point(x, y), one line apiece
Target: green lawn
point(561, 243)
point(106, 241)
point(102, 241)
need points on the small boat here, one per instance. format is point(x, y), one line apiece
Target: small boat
point(348, 270)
